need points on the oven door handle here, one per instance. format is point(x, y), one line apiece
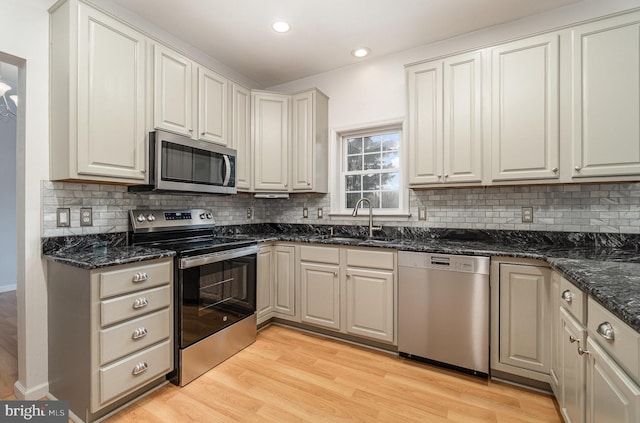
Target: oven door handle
point(188, 262)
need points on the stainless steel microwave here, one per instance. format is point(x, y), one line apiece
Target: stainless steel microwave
point(181, 164)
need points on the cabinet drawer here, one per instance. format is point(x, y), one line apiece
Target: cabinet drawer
point(135, 278)
point(573, 299)
point(133, 305)
point(370, 259)
point(134, 335)
point(126, 375)
point(625, 345)
point(320, 254)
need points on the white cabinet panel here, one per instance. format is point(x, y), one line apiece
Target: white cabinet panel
point(285, 280)
point(572, 368)
point(370, 303)
point(525, 109)
point(213, 114)
point(241, 136)
point(264, 283)
point(270, 141)
point(606, 97)
point(320, 294)
point(173, 91)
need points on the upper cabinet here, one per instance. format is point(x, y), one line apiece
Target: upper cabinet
point(189, 99)
point(241, 135)
point(445, 121)
point(290, 141)
point(97, 92)
point(525, 109)
point(606, 97)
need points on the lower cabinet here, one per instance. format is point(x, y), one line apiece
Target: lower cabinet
point(110, 333)
point(284, 270)
point(264, 283)
point(320, 294)
point(521, 336)
point(571, 337)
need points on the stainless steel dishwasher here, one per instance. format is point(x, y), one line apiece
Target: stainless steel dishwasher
point(443, 310)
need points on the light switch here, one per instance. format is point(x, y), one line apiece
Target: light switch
point(422, 213)
point(63, 219)
point(305, 212)
point(320, 213)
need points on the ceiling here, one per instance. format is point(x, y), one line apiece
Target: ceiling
point(323, 32)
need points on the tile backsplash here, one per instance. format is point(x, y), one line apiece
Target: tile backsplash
point(570, 208)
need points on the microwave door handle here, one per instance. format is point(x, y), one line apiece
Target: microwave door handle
point(227, 170)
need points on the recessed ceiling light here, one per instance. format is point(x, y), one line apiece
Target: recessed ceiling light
point(281, 26)
point(360, 52)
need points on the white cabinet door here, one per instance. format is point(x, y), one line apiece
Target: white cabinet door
point(270, 141)
point(173, 91)
point(320, 294)
point(302, 136)
point(213, 107)
point(285, 281)
point(424, 83)
point(111, 98)
point(611, 395)
point(572, 368)
point(445, 128)
point(554, 303)
point(264, 283)
point(525, 109)
point(241, 135)
point(462, 95)
point(370, 303)
point(606, 97)
point(524, 317)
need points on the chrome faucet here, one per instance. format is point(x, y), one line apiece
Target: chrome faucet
point(355, 213)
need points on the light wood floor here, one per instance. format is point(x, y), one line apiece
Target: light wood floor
point(292, 376)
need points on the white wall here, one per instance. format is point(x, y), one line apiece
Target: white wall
point(8, 240)
point(24, 37)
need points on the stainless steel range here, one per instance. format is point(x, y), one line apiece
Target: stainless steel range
point(215, 289)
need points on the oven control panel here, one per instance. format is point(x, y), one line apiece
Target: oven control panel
point(158, 220)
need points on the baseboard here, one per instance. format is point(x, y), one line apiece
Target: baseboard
point(5, 288)
point(32, 394)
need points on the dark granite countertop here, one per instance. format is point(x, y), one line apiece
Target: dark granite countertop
point(606, 266)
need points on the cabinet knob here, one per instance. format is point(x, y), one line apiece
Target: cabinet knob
point(606, 331)
point(582, 351)
point(202, 134)
point(439, 176)
point(140, 368)
point(577, 168)
point(140, 277)
point(567, 296)
point(446, 175)
point(308, 183)
point(143, 170)
point(335, 273)
point(573, 339)
point(554, 170)
point(286, 185)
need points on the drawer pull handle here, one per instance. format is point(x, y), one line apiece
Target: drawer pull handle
point(140, 368)
point(573, 339)
point(567, 296)
point(139, 333)
point(140, 302)
point(140, 277)
point(582, 351)
point(606, 331)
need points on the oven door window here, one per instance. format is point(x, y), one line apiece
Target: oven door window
point(215, 296)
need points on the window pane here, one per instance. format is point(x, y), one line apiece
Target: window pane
point(390, 142)
point(374, 197)
point(390, 160)
point(352, 199)
point(390, 200)
point(354, 163)
point(371, 182)
point(372, 161)
point(372, 144)
point(390, 181)
point(354, 145)
point(353, 183)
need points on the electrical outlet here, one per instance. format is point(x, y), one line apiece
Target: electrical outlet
point(320, 213)
point(305, 212)
point(86, 216)
point(527, 214)
point(422, 213)
point(63, 219)
point(249, 213)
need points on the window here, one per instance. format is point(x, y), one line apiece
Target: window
point(370, 168)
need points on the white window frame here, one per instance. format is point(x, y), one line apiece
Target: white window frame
point(338, 201)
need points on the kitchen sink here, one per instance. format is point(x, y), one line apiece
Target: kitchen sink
point(345, 239)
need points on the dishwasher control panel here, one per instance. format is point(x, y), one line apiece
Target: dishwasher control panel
point(456, 263)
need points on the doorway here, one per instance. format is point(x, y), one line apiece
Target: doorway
point(8, 225)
